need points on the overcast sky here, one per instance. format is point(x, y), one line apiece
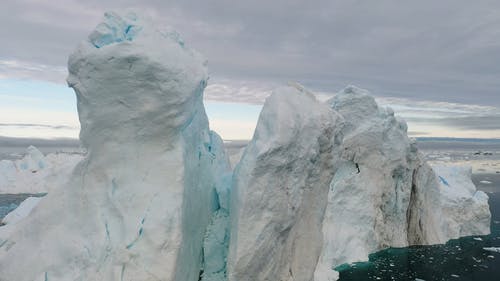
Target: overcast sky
point(443, 54)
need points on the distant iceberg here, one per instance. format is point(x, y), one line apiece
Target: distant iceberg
point(36, 173)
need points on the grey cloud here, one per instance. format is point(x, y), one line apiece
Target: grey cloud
point(25, 142)
point(481, 123)
point(241, 92)
point(425, 50)
point(27, 70)
point(416, 133)
point(474, 122)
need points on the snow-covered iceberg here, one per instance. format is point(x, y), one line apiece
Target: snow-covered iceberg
point(138, 205)
point(321, 185)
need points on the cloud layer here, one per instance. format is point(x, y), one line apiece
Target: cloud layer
point(432, 50)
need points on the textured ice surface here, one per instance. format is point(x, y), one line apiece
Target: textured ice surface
point(216, 241)
point(279, 189)
point(137, 207)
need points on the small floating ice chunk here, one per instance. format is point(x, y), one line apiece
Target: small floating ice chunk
point(492, 249)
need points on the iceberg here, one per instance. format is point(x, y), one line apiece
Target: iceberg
point(139, 203)
point(33, 161)
point(310, 195)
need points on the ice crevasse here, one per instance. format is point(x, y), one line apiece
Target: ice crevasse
point(319, 184)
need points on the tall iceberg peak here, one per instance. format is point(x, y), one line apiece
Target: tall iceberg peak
point(114, 85)
point(279, 188)
point(138, 206)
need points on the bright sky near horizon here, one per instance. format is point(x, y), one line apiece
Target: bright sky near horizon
point(434, 62)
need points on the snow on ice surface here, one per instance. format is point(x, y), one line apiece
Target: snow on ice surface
point(138, 205)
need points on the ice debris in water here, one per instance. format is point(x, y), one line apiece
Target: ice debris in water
point(492, 249)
